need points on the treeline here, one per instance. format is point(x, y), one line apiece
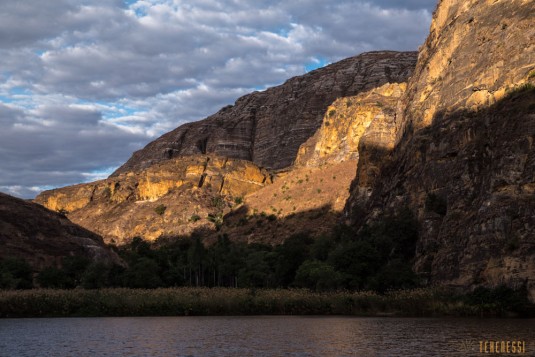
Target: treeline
point(378, 258)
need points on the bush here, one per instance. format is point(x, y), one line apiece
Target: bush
point(500, 299)
point(160, 209)
point(195, 218)
point(218, 202)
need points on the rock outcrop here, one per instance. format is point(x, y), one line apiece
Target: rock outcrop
point(464, 162)
point(268, 127)
point(368, 117)
point(43, 237)
point(187, 190)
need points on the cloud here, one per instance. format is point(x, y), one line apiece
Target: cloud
point(85, 83)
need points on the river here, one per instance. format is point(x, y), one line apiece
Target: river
point(258, 336)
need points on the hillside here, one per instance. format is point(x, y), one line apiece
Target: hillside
point(42, 237)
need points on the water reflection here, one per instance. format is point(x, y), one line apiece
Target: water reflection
point(257, 336)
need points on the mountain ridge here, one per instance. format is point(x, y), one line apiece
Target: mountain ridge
point(268, 127)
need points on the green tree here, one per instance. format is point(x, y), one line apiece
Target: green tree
point(317, 275)
point(144, 273)
point(15, 273)
point(291, 254)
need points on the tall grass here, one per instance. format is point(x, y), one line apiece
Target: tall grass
point(229, 301)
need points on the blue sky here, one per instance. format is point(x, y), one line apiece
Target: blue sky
point(79, 94)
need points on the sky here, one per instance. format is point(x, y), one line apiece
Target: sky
point(83, 84)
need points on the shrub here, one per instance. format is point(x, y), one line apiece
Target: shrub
point(216, 219)
point(238, 200)
point(218, 202)
point(63, 211)
point(160, 209)
point(195, 218)
point(106, 192)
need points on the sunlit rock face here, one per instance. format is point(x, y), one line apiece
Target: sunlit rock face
point(268, 127)
point(475, 52)
point(43, 237)
point(464, 162)
point(361, 128)
point(125, 206)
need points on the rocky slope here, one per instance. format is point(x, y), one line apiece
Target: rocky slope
point(265, 127)
point(464, 161)
point(43, 237)
point(171, 198)
point(306, 200)
point(268, 127)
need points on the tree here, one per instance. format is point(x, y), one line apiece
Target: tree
point(318, 276)
point(15, 274)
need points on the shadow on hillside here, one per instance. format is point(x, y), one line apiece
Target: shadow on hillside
point(242, 225)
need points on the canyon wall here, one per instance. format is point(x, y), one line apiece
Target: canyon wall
point(464, 160)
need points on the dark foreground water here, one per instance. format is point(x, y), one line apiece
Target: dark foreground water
point(257, 336)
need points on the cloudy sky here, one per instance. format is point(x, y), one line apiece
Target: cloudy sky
point(85, 83)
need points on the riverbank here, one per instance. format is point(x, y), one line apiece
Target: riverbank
point(229, 301)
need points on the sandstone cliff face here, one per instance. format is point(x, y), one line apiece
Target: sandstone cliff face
point(475, 52)
point(464, 162)
point(268, 127)
point(43, 237)
point(367, 117)
point(190, 188)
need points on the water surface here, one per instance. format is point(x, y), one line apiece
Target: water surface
point(257, 336)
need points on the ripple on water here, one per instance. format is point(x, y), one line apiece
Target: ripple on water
point(257, 336)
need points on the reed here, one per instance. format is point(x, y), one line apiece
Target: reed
point(230, 301)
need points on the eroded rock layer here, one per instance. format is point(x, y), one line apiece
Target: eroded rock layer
point(171, 198)
point(268, 127)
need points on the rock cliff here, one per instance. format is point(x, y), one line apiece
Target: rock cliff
point(171, 198)
point(268, 127)
point(464, 161)
point(43, 237)
point(368, 117)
